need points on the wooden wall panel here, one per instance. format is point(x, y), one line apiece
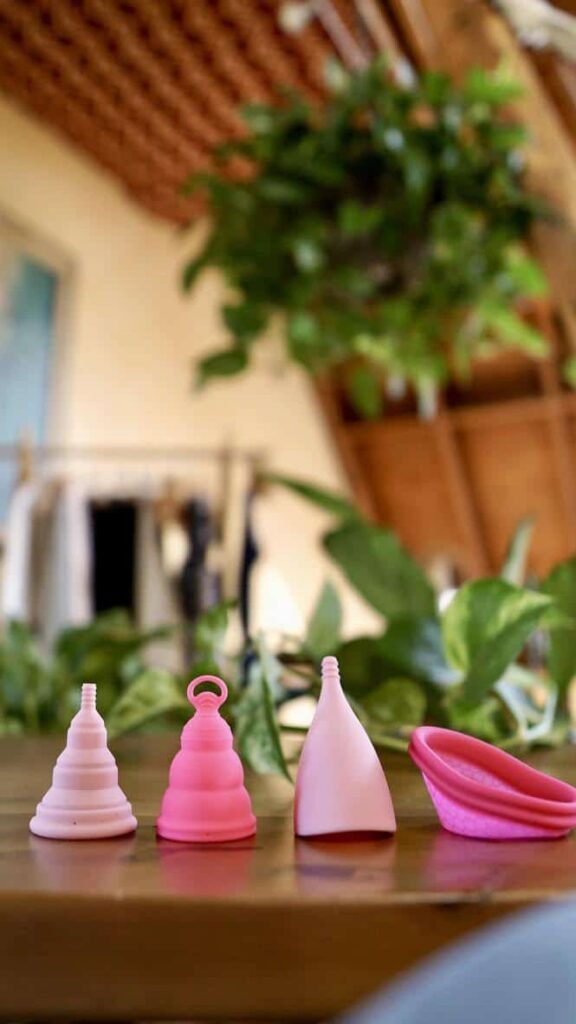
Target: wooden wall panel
point(511, 375)
point(402, 464)
point(513, 475)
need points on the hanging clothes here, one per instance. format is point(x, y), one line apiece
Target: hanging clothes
point(77, 547)
point(62, 560)
point(156, 600)
point(250, 555)
point(237, 485)
point(200, 583)
point(113, 525)
point(238, 543)
point(16, 562)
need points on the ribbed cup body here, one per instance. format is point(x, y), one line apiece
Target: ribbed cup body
point(206, 800)
point(85, 800)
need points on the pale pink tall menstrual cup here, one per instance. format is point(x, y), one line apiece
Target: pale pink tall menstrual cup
point(85, 800)
point(206, 800)
point(341, 786)
point(482, 792)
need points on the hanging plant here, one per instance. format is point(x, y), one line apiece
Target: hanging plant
point(386, 226)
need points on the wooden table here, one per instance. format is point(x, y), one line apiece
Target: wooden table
point(273, 928)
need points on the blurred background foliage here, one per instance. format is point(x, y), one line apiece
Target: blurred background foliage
point(496, 662)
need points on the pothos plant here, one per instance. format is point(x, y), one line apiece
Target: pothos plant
point(385, 226)
point(498, 662)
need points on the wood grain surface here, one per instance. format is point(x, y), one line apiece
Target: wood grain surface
point(272, 928)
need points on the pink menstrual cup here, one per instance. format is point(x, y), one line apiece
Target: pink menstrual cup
point(480, 791)
point(341, 786)
point(206, 800)
point(85, 800)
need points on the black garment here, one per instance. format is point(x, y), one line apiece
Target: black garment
point(199, 587)
point(250, 555)
point(113, 555)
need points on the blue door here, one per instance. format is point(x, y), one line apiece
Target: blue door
point(27, 313)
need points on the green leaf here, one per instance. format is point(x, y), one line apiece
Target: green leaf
point(362, 665)
point(397, 702)
point(365, 389)
point(513, 330)
point(257, 735)
point(303, 333)
point(24, 678)
point(259, 117)
point(355, 218)
point(484, 629)
point(526, 274)
point(523, 692)
point(569, 371)
point(514, 568)
point(210, 632)
point(491, 87)
point(486, 721)
point(281, 190)
point(337, 78)
point(192, 270)
point(151, 694)
point(323, 634)
point(561, 586)
point(245, 321)
point(381, 570)
point(308, 255)
point(435, 87)
point(328, 501)
point(11, 727)
point(227, 363)
point(508, 137)
point(413, 646)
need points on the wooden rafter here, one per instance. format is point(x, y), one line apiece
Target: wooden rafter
point(151, 87)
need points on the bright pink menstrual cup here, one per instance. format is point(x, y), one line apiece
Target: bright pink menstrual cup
point(481, 791)
point(206, 800)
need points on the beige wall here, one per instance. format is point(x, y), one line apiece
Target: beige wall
point(126, 368)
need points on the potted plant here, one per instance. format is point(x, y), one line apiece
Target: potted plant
point(384, 229)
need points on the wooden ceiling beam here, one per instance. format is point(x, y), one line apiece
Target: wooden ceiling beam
point(43, 96)
point(170, 156)
point(150, 87)
point(171, 121)
point(204, 24)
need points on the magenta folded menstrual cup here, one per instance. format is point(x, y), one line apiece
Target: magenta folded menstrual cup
point(206, 800)
point(483, 792)
point(85, 800)
point(341, 786)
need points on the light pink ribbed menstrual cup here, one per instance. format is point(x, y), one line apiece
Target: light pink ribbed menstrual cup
point(206, 800)
point(85, 800)
point(341, 786)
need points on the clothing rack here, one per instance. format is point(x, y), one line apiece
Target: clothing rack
point(128, 452)
point(25, 455)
